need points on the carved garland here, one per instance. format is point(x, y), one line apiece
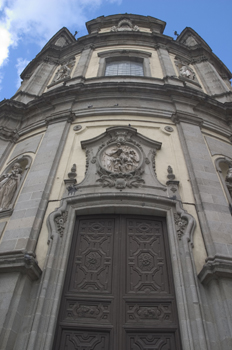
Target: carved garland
point(181, 225)
point(60, 222)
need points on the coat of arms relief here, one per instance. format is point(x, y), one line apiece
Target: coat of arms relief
point(120, 162)
point(119, 159)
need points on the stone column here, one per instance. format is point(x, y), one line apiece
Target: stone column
point(165, 61)
point(83, 63)
point(213, 83)
point(210, 199)
point(5, 148)
point(36, 84)
point(216, 225)
point(19, 241)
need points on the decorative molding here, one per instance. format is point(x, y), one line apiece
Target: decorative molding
point(199, 59)
point(60, 222)
point(181, 224)
point(77, 310)
point(186, 118)
point(119, 159)
point(215, 268)
point(71, 176)
point(161, 312)
point(8, 134)
point(125, 25)
point(168, 128)
point(77, 127)
point(19, 262)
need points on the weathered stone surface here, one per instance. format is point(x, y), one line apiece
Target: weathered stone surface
point(29, 145)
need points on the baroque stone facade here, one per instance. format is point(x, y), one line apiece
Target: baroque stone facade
point(115, 193)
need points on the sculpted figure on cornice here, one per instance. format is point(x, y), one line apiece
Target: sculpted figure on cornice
point(184, 70)
point(125, 25)
point(64, 71)
point(9, 184)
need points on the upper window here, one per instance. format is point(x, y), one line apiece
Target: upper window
point(124, 62)
point(124, 68)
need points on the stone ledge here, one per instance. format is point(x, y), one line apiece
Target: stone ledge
point(215, 268)
point(24, 263)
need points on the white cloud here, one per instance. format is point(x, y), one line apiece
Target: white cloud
point(38, 20)
point(20, 65)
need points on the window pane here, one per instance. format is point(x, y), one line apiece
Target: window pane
point(124, 68)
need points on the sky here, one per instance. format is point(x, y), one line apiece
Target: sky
point(26, 26)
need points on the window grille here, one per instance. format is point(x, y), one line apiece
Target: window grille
point(124, 68)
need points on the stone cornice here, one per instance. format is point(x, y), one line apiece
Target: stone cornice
point(187, 118)
point(45, 107)
point(24, 263)
point(152, 23)
point(215, 268)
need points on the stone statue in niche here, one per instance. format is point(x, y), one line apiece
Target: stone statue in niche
point(8, 186)
point(64, 72)
point(120, 159)
point(229, 180)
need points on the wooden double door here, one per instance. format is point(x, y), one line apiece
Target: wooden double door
point(118, 293)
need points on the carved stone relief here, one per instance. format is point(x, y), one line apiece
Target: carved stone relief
point(64, 72)
point(185, 71)
point(60, 222)
point(119, 166)
point(125, 25)
point(119, 159)
point(181, 225)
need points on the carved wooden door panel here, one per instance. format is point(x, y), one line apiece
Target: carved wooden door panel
point(118, 293)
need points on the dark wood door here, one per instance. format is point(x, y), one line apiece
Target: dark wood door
point(118, 292)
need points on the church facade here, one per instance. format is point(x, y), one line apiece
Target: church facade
point(116, 193)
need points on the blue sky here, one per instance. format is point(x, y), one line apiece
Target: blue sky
point(26, 25)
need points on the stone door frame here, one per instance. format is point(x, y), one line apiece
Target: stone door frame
point(61, 226)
